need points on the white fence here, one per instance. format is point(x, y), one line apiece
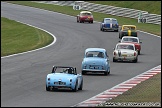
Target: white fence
point(112, 10)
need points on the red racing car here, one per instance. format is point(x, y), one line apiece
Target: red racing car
point(85, 16)
point(134, 40)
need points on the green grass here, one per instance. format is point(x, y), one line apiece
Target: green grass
point(147, 91)
point(153, 7)
point(151, 28)
point(17, 37)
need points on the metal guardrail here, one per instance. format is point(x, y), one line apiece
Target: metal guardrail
point(112, 10)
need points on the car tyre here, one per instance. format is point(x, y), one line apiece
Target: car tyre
point(119, 36)
point(47, 88)
point(116, 30)
point(109, 72)
point(114, 60)
point(83, 72)
point(139, 53)
point(75, 89)
point(135, 61)
point(81, 85)
point(106, 73)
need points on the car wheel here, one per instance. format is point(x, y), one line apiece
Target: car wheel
point(135, 61)
point(121, 37)
point(81, 85)
point(109, 72)
point(101, 29)
point(114, 60)
point(47, 88)
point(75, 89)
point(91, 21)
point(139, 53)
point(106, 73)
point(83, 72)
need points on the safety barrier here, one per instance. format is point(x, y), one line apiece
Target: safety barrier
point(112, 10)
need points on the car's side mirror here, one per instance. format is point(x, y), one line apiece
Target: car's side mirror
point(113, 48)
point(119, 41)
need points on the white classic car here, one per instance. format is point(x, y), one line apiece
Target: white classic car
point(125, 52)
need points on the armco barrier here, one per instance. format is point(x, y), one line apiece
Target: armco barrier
point(112, 10)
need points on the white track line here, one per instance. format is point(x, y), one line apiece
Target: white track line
point(118, 89)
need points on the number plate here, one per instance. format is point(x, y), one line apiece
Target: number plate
point(94, 67)
point(124, 55)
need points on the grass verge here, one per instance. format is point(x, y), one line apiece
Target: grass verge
point(151, 28)
point(17, 37)
point(154, 6)
point(147, 91)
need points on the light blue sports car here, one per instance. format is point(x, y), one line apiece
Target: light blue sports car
point(64, 77)
point(109, 24)
point(96, 60)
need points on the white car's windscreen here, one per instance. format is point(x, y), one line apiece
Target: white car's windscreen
point(130, 47)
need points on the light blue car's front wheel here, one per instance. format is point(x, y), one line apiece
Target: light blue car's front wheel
point(107, 72)
point(83, 72)
point(47, 88)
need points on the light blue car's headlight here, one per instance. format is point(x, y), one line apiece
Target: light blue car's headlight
point(84, 66)
point(102, 67)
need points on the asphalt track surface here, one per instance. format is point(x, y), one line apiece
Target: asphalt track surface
point(23, 76)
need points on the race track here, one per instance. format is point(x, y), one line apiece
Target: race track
point(23, 76)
